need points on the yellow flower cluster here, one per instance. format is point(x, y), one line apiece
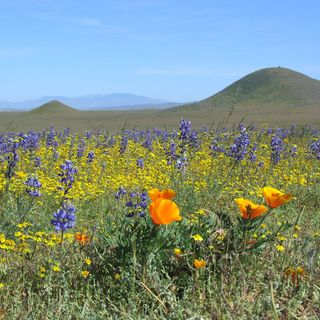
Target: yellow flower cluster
point(110, 170)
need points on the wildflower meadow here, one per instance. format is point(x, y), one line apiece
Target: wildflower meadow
point(158, 224)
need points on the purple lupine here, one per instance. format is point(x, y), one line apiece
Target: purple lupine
point(293, 151)
point(171, 153)
point(134, 134)
point(269, 131)
point(88, 134)
point(123, 144)
point(276, 148)
point(37, 162)
point(216, 147)
point(12, 159)
point(181, 163)
point(143, 203)
point(3, 145)
point(252, 153)
point(137, 204)
point(185, 129)
point(15, 157)
point(55, 154)
point(50, 137)
point(187, 136)
point(120, 193)
point(33, 184)
point(140, 163)
point(80, 150)
point(144, 200)
point(239, 149)
point(148, 142)
point(90, 157)
point(64, 218)
point(193, 140)
point(157, 132)
point(315, 148)
point(66, 132)
point(67, 176)
point(111, 141)
point(29, 141)
point(165, 136)
point(241, 127)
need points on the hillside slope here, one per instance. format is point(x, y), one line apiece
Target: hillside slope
point(269, 87)
point(54, 108)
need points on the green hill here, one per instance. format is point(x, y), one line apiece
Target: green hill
point(270, 87)
point(54, 108)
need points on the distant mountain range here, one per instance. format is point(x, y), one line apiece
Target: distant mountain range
point(114, 101)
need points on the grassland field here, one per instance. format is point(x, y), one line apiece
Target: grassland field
point(220, 222)
point(148, 119)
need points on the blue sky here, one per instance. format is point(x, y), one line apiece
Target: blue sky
point(178, 50)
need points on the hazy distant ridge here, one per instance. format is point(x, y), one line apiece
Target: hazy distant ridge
point(93, 102)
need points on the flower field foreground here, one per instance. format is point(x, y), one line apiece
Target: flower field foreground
point(210, 224)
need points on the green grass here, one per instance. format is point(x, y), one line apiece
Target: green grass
point(155, 285)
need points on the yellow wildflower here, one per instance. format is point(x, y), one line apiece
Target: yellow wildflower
point(281, 237)
point(201, 212)
point(197, 238)
point(85, 273)
point(56, 268)
point(24, 225)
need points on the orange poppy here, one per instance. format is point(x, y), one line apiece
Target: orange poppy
point(164, 211)
point(199, 264)
point(295, 274)
point(250, 210)
point(82, 238)
point(275, 198)
point(155, 194)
